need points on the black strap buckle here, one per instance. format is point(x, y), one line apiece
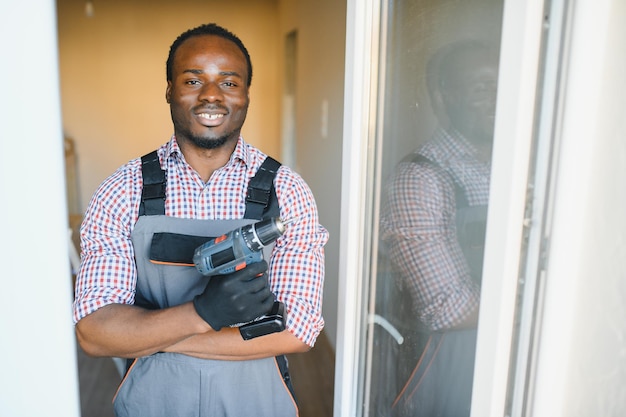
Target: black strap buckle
point(258, 195)
point(153, 191)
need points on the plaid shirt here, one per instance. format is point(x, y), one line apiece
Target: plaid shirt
point(418, 223)
point(108, 272)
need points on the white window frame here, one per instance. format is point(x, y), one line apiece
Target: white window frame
point(520, 52)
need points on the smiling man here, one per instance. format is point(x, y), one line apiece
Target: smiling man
point(179, 327)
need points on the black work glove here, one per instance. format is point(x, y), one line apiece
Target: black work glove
point(235, 298)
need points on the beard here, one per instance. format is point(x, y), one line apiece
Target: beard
point(206, 143)
point(201, 137)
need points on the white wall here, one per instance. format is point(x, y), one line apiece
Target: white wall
point(582, 347)
point(38, 375)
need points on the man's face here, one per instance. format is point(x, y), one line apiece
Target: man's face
point(208, 92)
point(470, 98)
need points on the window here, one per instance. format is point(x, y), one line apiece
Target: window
point(437, 89)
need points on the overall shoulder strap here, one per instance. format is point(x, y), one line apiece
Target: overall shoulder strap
point(461, 199)
point(261, 200)
point(153, 192)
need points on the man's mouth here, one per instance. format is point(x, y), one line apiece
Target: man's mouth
point(210, 119)
point(209, 116)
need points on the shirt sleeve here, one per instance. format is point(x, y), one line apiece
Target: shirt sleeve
point(297, 261)
point(419, 227)
point(107, 273)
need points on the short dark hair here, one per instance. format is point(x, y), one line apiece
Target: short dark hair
point(444, 63)
point(206, 29)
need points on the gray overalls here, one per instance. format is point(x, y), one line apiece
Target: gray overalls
point(171, 384)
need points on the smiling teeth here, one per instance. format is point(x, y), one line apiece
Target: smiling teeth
point(211, 116)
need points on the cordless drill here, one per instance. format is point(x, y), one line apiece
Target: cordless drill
point(233, 251)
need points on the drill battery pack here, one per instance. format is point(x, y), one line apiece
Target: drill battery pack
point(272, 322)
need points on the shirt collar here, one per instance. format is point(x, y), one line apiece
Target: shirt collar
point(454, 143)
point(172, 148)
point(448, 145)
point(240, 153)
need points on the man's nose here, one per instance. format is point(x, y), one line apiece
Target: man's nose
point(210, 92)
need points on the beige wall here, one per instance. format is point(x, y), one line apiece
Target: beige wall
point(112, 70)
point(321, 27)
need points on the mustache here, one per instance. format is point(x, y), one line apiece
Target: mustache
point(209, 107)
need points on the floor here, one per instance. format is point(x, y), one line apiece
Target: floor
point(312, 375)
point(98, 379)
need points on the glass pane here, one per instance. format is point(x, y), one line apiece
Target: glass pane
point(437, 89)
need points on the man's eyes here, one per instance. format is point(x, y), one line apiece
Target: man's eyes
point(227, 84)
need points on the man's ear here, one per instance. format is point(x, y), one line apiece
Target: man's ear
point(438, 104)
point(168, 91)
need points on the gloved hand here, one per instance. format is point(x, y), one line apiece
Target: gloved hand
point(235, 298)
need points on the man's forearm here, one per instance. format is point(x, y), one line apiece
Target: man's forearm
point(437, 277)
point(227, 344)
point(129, 332)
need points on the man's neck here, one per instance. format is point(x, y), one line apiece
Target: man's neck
point(206, 161)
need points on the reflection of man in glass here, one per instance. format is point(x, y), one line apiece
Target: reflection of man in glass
point(434, 223)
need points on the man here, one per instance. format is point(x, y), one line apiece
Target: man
point(176, 322)
point(434, 224)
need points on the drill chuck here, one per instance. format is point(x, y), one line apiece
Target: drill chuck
point(258, 235)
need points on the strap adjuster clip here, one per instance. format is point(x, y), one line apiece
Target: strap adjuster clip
point(258, 195)
point(153, 191)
